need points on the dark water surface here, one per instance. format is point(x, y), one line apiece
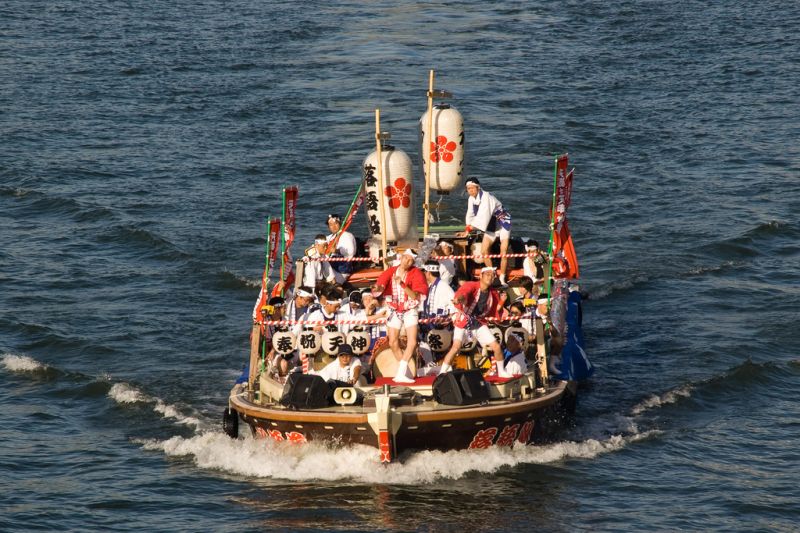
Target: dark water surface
point(143, 144)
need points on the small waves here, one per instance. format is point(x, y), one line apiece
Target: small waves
point(125, 394)
point(666, 398)
point(231, 280)
point(39, 203)
point(130, 236)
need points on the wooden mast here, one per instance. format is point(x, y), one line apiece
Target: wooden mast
point(381, 194)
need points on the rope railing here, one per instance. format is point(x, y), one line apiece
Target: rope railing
point(379, 321)
point(470, 256)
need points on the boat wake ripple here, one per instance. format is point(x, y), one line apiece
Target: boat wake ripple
point(319, 462)
point(22, 363)
point(122, 393)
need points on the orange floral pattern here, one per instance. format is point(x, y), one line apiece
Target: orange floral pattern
point(399, 194)
point(442, 149)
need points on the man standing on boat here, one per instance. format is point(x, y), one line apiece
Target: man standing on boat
point(485, 213)
point(476, 301)
point(403, 286)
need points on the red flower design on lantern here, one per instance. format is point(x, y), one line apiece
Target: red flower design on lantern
point(399, 194)
point(442, 149)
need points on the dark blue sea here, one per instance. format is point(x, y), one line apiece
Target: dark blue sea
point(143, 144)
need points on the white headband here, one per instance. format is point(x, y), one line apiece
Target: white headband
point(333, 302)
point(488, 269)
point(320, 241)
point(432, 268)
point(408, 251)
point(531, 248)
point(304, 294)
point(472, 182)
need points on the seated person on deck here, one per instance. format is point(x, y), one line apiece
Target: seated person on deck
point(346, 368)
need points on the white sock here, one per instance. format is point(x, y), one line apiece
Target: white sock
point(401, 376)
point(445, 368)
point(501, 369)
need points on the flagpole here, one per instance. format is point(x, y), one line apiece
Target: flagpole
point(283, 234)
point(552, 234)
point(381, 193)
point(430, 153)
point(342, 227)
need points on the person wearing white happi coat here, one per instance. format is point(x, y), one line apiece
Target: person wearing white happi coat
point(352, 310)
point(346, 245)
point(346, 368)
point(485, 213)
point(315, 271)
point(439, 301)
point(447, 267)
point(515, 362)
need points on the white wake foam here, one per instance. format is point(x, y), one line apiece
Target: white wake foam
point(317, 462)
point(663, 399)
point(123, 393)
point(21, 363)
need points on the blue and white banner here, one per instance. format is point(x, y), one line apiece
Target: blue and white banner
point(575, 365)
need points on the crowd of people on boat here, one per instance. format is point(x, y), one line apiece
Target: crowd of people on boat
point(412, 305)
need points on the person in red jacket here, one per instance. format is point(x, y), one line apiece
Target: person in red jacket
point(475, 301)
point(402, 285)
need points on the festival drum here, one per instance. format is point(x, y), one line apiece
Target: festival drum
point(445, 147)
point(384, 363)
point(283, 342)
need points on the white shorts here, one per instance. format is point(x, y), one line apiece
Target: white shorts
point(483, 334)
point(402, 319)
point(504, 234)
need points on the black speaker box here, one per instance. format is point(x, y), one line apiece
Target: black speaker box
point(460, 387)
point(305, 391)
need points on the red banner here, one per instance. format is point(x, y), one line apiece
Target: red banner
point(563, 185)
point(565, 261)
point(290, 195)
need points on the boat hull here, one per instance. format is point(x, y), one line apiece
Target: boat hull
point(429, 426)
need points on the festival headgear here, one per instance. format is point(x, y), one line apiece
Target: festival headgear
point(304, 292)
point(531, 245)
point(446, 244)
point(409, 251)
point(517, 337)
point(542, 299)
point(432, 266)
point(472, 181)
point(276, 301)
point(355, 297)
point(320, 241)
point(333, 302)
point(337, 218)
point(345, 349)
point(487, 269)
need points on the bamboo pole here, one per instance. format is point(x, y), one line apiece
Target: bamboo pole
point(430, 141)
point(381, 195)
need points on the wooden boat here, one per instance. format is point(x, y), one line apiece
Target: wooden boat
point(462, 410)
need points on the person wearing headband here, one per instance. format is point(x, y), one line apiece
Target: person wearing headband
point(533, 265)
point(439, 301)
point(403, 286)
point(352, 309)
point(342, 243)
point(330, 300)
point(514, 356)
point(475, 301)
point(315, 272)
point(485, 213)
point(447, 267)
